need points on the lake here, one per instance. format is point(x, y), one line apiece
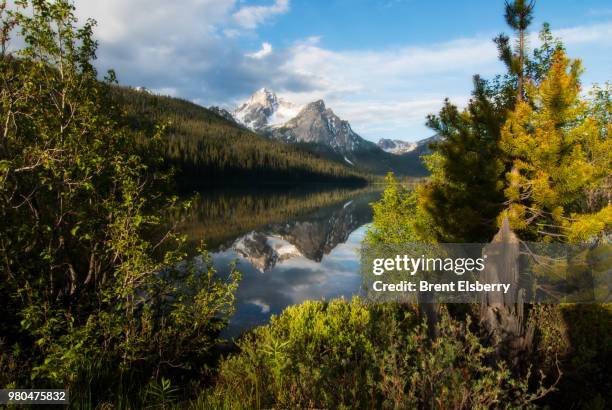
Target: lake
point(291, 245)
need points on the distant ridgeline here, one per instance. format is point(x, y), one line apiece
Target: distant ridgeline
point(208, 147)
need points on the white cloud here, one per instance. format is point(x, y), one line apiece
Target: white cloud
point(586, 34)
point(192, 49)
point(390, 92)
point(376, 118)
point(251, 16)
point(195, 51)
point(266, 50)
point(155, 21)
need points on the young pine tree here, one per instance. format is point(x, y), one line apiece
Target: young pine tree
point(464, 196)
point(559, 187)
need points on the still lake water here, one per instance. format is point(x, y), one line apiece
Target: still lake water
point(291, 246)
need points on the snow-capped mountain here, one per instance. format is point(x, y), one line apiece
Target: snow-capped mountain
point(319, 130)
point(264, 109)
point(397, 147)
point(313, 123)
point(318, 124)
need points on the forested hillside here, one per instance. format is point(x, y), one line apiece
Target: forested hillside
point(208, 149)
point(373, 160)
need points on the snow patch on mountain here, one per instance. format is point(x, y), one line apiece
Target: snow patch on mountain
point(284, 112)
point(264, 109)
point(397, 147)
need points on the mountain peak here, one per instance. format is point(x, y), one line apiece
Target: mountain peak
point(316, 124)
point(316, 107)
point(318, 103)
point(264, 97)
point(264, 109)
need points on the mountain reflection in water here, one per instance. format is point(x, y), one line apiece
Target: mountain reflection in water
point(291, 246)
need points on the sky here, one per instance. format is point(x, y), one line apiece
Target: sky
point(383, 65)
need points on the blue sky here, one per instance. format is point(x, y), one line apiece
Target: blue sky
point(381, 64)
point(349, 24)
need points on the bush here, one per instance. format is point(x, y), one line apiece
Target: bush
point(355, 355)
point(93, 295)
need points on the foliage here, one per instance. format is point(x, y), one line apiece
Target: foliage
point(539, 64)
point(528, 145)
point(575, 339)
point(350, 354)
point(93, 296)
point(586, 383)
point(559, 187)
point(397, 219)
point(97, 297)
point(518, 15)
point(464, 196)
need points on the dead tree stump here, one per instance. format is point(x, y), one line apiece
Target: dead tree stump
point(502, 315)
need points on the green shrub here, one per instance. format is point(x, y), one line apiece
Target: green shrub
point(355, 355)
point(93, 296)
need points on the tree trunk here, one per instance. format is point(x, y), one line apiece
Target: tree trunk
point(519, 93)
point(502, 315)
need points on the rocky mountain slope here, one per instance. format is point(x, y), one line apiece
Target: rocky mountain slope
point(317, 124)
point(264, 109)
point(396, 147)
point(207, 147)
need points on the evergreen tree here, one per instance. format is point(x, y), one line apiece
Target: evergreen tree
point(539, 64)
point(519, 15)
point(559, 187)
point(208, 149)
point(464, 195)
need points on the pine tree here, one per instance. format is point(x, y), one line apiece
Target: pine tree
point(464, 195)
point(539, 64)
point(559, 186)
point(519, 15)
